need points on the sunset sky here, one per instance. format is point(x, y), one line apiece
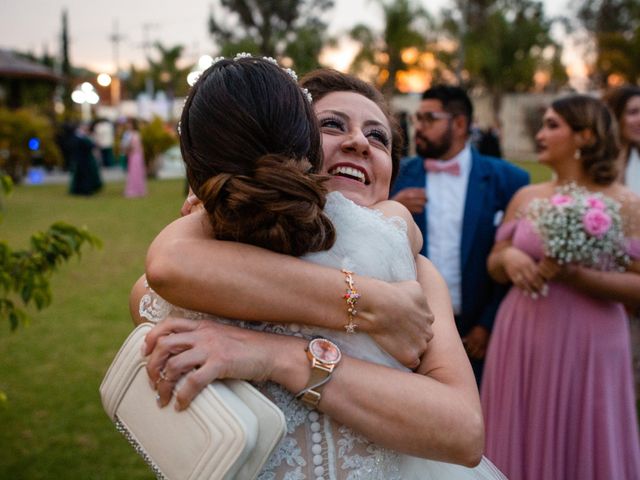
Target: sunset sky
point(33, 25)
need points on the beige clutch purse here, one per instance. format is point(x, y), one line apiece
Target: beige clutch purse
point(228, 431)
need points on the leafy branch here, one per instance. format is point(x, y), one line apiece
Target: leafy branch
point(27, 273)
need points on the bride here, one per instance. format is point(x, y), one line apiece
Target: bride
point(269, 200)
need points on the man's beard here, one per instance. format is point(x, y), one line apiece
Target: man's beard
point(434, 150)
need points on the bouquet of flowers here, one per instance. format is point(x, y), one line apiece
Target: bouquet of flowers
point(578, 226)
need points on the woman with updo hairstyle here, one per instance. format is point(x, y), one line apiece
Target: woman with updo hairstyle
point(251, 145)
point(597, 155)
point(624, 102)
point(397, 405)
point(557, 391)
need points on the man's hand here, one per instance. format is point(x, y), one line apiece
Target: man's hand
point(413, 198)
point(476, 341)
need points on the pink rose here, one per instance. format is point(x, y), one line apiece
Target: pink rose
point(595, 202)
point(560, 200)
point(596, 222)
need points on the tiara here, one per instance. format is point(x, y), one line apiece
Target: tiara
point(288, 71)
point(241, 55)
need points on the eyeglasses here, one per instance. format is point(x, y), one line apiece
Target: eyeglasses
point(430, 118)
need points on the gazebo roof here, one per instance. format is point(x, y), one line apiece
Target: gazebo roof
point(13, 66)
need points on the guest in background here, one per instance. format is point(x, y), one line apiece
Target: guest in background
point(465, 194)
point(103, 136)
point(85, 175)
point(136, 170)
point(624, 102)
point(489, 142)
point(557, 392)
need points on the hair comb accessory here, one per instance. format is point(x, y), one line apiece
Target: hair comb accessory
point(242, 55)
point(289, 71)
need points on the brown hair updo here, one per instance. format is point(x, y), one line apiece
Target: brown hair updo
point(251, 145)
point(583, 112)
point(324, 81)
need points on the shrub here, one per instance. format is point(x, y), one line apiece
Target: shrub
point(17, 129)
point(156, 139)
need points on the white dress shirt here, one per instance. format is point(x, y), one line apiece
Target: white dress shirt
point(446, 195)
point(632, 173)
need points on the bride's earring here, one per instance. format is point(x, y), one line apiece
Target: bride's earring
point(577, 154)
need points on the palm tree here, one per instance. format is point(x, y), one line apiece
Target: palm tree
point(166, 73)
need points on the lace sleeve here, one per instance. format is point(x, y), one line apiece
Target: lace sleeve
point(152, 306)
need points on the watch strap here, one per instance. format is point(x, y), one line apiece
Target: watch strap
point(312, 393)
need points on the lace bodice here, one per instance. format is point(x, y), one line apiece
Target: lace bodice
point(315, 446)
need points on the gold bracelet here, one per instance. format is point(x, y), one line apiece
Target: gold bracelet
point(351, 297)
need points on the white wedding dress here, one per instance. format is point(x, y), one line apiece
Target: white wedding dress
point(315, 447)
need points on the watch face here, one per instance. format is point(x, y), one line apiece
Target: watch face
point(324, 350)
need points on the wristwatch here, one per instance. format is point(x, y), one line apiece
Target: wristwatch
point(324, 356)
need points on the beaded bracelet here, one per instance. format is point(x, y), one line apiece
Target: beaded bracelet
point(351, 297)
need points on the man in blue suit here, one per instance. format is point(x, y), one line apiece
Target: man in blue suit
point(457, 197)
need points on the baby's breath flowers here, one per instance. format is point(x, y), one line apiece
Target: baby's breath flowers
point(582, 227)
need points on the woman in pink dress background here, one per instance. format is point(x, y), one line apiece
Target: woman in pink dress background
point(136, 170)
point(557, 394)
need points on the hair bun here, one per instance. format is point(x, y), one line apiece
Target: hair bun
point(278, 207)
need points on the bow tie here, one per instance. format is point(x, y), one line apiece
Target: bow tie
point(438, 166)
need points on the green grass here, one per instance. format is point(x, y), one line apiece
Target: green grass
point(539, 173)
point(53, 426)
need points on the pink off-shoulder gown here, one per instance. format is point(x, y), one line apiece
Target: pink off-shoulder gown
point(557, 391)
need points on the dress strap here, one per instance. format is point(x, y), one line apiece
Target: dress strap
point(633, 248)
point(506, 230)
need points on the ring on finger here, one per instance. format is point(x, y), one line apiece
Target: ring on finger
point(163, 376)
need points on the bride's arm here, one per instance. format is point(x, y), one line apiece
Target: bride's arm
point(434, 413)
point(190, 269)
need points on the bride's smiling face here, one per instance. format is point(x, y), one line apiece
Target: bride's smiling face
point(356, 141)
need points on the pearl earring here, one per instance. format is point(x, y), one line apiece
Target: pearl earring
point(577, 154)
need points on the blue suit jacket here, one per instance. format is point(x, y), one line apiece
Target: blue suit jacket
point(492, 183)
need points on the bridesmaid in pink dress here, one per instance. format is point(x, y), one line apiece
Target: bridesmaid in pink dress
point(136, 170)
point(557, 391)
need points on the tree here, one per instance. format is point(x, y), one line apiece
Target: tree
point(404, 23)
point(503, 44)
point(166, 73)
point(66, 67)
point(615, 28)
point(273, 28)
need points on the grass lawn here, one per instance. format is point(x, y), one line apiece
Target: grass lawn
point(539, 173)
point(53, 426)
